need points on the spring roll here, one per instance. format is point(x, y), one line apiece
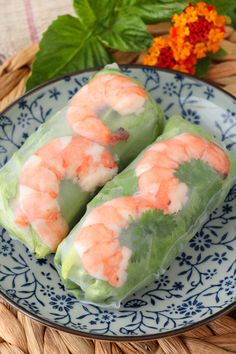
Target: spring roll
point(136, 225)
point(45, 186)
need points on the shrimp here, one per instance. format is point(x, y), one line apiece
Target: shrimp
point(75, 158)
point(154, 157)
point(199, 148)
point(103, 92)
point(97, 242)
point(156, 170)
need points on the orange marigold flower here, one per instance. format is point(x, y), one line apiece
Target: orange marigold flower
point(160, 54)
point(200, 50)
point(177, 42)
point(215, 35)
point(181, 50)
point(220, 22)
point(187, 66)
point(184, 69)
point(194, 33)
point(202, 9)
point(179, 20)
point(213, 47)
point(196, 22)
point(190, 14)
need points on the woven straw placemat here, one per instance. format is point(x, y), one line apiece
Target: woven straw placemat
point(21, 335)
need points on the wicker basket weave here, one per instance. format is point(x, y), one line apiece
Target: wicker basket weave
point(25, 336)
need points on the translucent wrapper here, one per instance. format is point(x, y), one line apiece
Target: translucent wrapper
point(99, 118)
point(150, 240)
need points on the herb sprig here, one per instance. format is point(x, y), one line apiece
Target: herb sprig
point(75, 43)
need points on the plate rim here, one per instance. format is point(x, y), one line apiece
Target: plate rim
point(105, 337)
point(132, 66)
point(116, 338)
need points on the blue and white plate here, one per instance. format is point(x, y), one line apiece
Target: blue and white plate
point(198, 286)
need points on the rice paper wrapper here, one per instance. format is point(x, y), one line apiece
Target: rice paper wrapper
point(154, 238)
point(142, 128)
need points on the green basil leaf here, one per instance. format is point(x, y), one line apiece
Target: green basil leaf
point(104, 10)
point(202, 67)
point(158, 12)
point(64, 48)
point(128, 33)
point(151, 2)
point(84, 12)
point(97, 13)
point(93, 53)
point(128, 3)
point(152, 11)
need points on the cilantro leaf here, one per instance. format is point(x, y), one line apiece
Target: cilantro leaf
point(197, 173)
point(66, 47)
point(140, 235)
point(203, 183)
